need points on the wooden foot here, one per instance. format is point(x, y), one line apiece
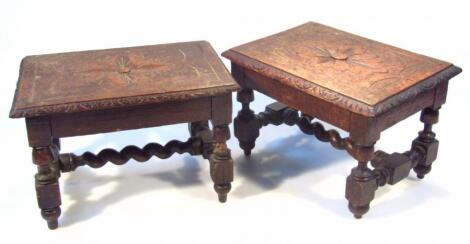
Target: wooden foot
point(426, 143)
point(222, 191)
point(52, 217)
point(361, 183)
point(245, 124)
point(221, 164)
point(47, 185)
point(390, 168)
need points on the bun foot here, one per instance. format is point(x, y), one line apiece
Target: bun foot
point(247, 146)
point(421, 171)
point(53, 224)
point(222, 191)
point(222, 198)
point(358, 211)
point(51, 216)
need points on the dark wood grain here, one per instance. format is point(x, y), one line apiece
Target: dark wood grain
point(295, 98)
point(104, 79)
point(83, 93)
point(352, 72)
point(132, 117)
point(359, 85)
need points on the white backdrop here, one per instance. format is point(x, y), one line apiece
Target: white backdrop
point(291, 191)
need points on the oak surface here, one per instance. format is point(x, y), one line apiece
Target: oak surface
point(358, 85)
point(104, 79)
point(353, 72)
point(91, 92)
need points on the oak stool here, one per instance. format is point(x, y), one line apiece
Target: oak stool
point(356, 84)
point(82, 93)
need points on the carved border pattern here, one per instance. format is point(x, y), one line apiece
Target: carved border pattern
point(335, 97)
point(120, 102)
point(413, 91)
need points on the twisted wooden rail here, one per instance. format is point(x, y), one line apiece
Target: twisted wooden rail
point(388, 168)
point(278, 113)
point(362, 183)
point(70, 161)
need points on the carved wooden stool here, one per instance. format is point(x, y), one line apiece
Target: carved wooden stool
point(356, 84)
point(83, 93)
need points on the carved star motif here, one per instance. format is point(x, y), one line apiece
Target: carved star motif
point(343, 59)
point(124, 69)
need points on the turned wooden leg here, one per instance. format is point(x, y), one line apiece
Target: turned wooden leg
point(361, 183)
point(46, 157)
point(47, 185)
point(426, 142)
point(245, 124)
point(221, 164)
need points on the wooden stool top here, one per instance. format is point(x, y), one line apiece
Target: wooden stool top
point(358, 74)
point(104, 79)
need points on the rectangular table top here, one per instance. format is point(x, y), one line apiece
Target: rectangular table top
point(353, 72)
point(103, 79)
